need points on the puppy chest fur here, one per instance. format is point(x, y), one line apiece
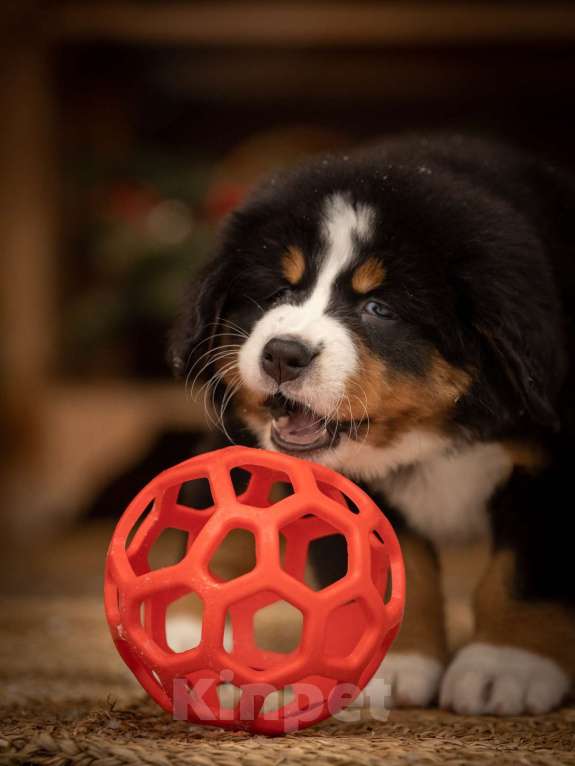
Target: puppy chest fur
point(445, 497)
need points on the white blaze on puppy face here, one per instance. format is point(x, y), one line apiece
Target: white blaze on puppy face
point(323, 385)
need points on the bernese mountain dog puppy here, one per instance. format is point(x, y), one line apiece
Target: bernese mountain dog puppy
point(405, 315)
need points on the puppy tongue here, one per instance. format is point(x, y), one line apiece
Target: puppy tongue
point(300, 427)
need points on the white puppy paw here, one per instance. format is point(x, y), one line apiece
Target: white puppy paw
point(404, 679)
point(499, 680)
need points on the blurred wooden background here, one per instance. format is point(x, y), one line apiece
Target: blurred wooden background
point(241, 86)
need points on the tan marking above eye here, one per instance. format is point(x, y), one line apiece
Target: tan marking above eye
point(368, 276)
point(293, 265)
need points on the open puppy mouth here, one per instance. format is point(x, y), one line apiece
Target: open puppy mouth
point(297, 428)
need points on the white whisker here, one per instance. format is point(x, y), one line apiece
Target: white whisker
point(216, 357)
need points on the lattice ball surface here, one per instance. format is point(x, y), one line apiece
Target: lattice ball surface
point(288, 505)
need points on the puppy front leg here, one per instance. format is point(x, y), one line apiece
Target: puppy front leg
point(522, 656)
point(412, 670)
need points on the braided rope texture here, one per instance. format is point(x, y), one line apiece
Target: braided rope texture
point(140, 734)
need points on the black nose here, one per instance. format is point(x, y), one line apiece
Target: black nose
point(285, 359)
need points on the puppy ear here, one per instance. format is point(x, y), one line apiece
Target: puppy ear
point(533, 365)
point(198, 323)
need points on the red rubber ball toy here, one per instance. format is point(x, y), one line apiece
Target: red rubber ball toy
point(346, 627)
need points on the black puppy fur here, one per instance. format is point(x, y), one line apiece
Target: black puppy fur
point(478, 242)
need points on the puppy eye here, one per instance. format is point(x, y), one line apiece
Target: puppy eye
point(378, 309)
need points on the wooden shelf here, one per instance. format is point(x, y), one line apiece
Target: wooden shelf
point(313, 23)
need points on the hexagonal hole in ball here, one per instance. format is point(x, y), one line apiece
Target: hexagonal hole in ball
point(196, 494)
point(247, 487)
point(168, 549)
point(235, 556)
point(229, 695)
point(138, 523)
point(184, 618)
point(380, 570)
point(327, 555)
point(278, 627)
point(327, 561)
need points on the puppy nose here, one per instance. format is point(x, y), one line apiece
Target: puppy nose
point(285, 358)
